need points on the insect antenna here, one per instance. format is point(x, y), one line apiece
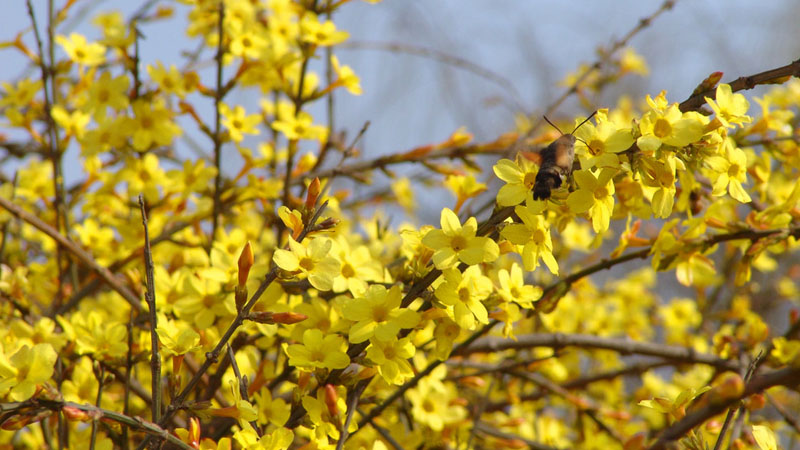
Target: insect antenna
point(580, 124)
point(553, 125)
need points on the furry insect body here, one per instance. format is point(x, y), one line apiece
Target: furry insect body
point(557, 160)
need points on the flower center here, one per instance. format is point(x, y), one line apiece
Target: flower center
point(538, 238)
point(600, 193)
point(307, 263)
point(348, 271)
point(458, 243)
point(596, 146)
point(529, 180)
point(733, 170)
point(662, 128)
point(463, 294)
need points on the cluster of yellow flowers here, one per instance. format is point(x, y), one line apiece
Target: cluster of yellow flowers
point(353, 314)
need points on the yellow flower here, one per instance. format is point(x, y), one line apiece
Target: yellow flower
point(670, 127)
point(534, 234)
point(152, 125)
point(169, 81)
point(177, 337)
point(597, 145)
point(110, 133)
point(73, 123)
point(378, 314)
point(519, 177)
point(247, 45)
point(322, 34)
point(238, 123)
point(20, 95)
point(785, 351)
point(318, 352)
point(730, 171)
point(464, 187)
point(391, 359)
point(313, 261)
point(82, 52)
point(107, 92)
point(431, 404)
point(455, 243)
point(300, 126)
point(595, 195)
point(346, 77)
point(514, 289)
point(730, 108)
point(25, 369)
point(464, 293)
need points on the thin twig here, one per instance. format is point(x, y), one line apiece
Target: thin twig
point(150, 296)
point(743, 83)
point(213, 356)
point(128, 369)
point(588, 341)
point(218, 94)
point(75, 249)
point(783, 377)
point(242, 385)
point(135, 423)
point(352, 403)
point(100, 375)
point(485, 428)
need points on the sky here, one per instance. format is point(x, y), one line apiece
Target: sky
point(525, 46)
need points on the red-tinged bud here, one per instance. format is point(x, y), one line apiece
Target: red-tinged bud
point(303, 379)
point(512, 443)
point(515, 422)
point(327, 224)
point(313, 193)
point(288, 318)
point(618, 415)
point(246, 260)
point(731, 386)
point(794, 314)
point(473, 381)
point(738, 444)
point(16, 422)
point(177, 362)
point(194, 432)
point(73, 413)
point(755, 402)
point(331, 398)
point(240, 295)
point(264, 317)
point(458, 401)
point(635, 442)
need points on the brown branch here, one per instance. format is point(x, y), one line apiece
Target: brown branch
point(487, 429)
point(788, 376)
point(586, 341)
point(150, 296)
point(213, 356)
point(743, 83)
point(94, 412)
point(76, 250)
point(218, 95)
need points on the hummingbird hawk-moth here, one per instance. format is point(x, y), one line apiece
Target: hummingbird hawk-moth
point(557, 160)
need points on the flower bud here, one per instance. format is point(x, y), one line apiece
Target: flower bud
point(246, 260)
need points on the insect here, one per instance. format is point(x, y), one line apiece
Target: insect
point(557, 160)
